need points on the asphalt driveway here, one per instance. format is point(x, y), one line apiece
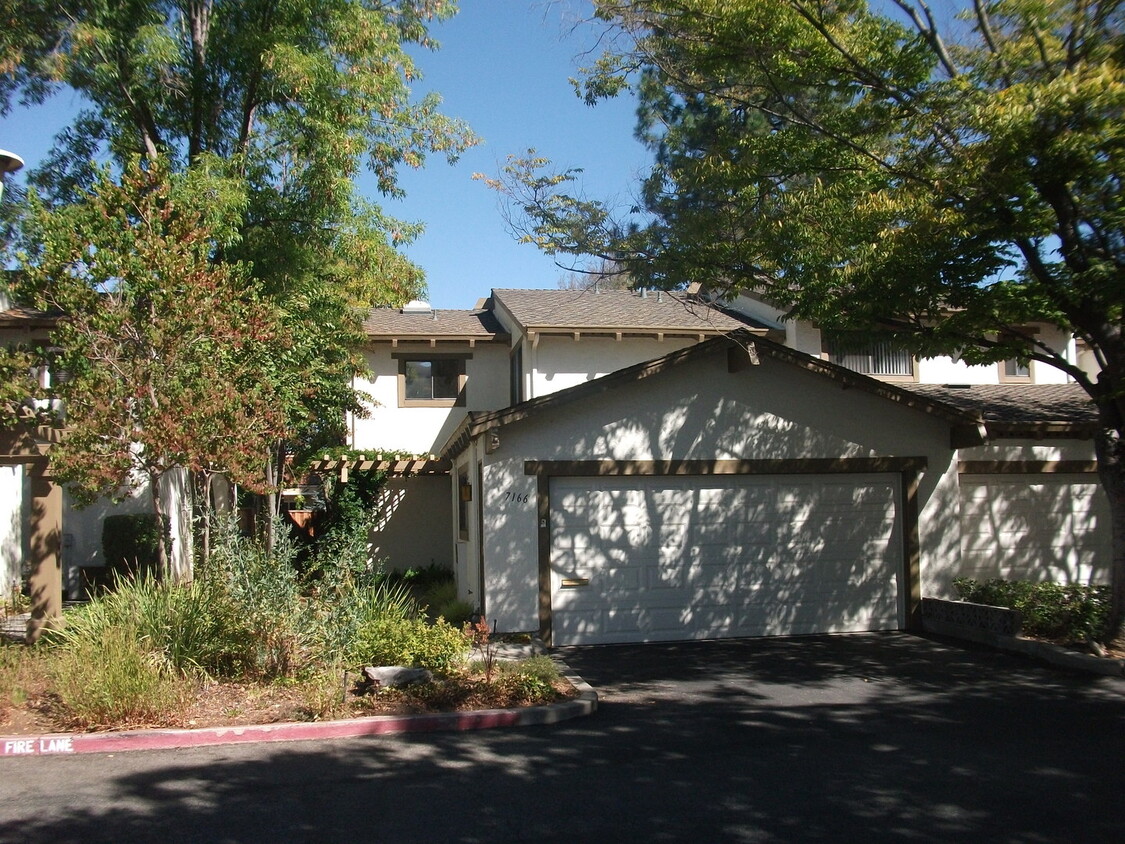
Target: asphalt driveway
point(827, 739)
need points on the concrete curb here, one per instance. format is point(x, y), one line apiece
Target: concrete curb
point(586, 703)
point(1043, 651)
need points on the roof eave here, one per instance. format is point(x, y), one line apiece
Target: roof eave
point(1042, 430)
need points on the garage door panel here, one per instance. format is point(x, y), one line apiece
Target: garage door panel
point(724, 556)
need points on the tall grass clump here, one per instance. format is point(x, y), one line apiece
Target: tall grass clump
point(119, 679)
point(19, 668)
point(441, 601)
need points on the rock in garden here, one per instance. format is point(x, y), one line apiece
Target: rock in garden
point(392, 676)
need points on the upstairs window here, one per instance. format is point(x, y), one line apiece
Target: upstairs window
point(871, 357)
point(1014, 369)
point(437, 381)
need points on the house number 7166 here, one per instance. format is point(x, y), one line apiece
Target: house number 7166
point(515, 497)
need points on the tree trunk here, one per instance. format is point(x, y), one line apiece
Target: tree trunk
point(161, 540)
point(271, 503)
point(203, 511)
point(1110, 445)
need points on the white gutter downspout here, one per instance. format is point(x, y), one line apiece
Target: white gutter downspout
point(533, 367)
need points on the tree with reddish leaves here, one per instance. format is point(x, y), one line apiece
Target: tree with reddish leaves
point(167, 356)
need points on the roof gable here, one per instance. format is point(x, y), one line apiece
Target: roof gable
point(743, 349)
point(395, 323)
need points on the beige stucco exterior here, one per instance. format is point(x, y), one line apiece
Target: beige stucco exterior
point(699, 411)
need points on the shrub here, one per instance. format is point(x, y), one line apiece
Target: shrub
point(528, 681)
point(456, 612)
point(411, 641)
point(1069, 612)
point(342, 615)
point(265, 592)
point(427, 578)
point(541, 667)
point(340, 557)
point(131, 544)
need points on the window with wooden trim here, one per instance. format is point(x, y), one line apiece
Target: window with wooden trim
point(871, 357)
point(464, 496)
point(431, 381)
point(1015, 370)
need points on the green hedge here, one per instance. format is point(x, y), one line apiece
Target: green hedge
point(130, 544)
point(1051, 610)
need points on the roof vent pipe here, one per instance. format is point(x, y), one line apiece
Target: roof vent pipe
point(644, 292)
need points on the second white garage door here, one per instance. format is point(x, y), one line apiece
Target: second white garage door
point(1039, 527)
point(664, 558)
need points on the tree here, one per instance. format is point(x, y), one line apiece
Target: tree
point(165, 353)
point(286, 100)
point(942, 182)
point(603, 274)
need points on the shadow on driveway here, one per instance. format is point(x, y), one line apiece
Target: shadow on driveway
point(831, 738)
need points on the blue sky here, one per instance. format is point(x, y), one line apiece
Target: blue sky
point(503, 67)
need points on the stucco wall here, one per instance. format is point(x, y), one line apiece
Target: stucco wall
point(82, 528)
point(413, 524)
point(562, 362)
point(700, 411)
point(11, 528)
point(1053, 526)
point(803, 336)
point(422, 430)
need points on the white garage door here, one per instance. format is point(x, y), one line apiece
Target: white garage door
point(1035, 527)
point(692, 557)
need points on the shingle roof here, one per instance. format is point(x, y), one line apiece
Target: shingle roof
point(1016, 404)
point(622, 310)
point(391, 322)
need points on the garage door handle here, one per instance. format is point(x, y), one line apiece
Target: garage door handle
point(575, 582)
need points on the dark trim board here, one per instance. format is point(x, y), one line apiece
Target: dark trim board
point(908, 468)
point(1027, 467)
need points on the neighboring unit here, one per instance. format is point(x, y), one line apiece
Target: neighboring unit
point(37, 517)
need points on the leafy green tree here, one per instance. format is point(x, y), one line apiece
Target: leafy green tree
point(283, 100)
point(163, 353)
point(942, 181)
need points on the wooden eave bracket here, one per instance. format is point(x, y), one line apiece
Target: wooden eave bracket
point(968, 435)
point(742, 357)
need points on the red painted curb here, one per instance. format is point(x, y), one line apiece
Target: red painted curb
point(61, 744)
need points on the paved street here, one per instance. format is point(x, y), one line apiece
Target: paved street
point(850, 738)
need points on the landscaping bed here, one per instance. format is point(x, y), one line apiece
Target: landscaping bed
point(29, 707)
point(263, 637)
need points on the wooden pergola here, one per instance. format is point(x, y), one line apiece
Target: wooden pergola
point(394, 467)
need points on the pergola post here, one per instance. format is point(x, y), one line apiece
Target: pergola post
point(26, 446)
point(44, 545)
